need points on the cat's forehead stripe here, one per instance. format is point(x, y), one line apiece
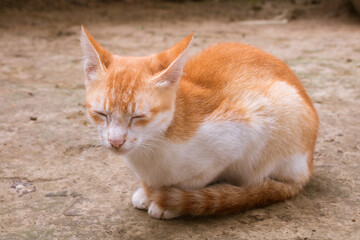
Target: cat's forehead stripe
point(122, 85)
point(113, 85)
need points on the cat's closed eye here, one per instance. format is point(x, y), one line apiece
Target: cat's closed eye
point(101, 114)
point(139, 116)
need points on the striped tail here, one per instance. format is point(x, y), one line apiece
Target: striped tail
point(221, 199)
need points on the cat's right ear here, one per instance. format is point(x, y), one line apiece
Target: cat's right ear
point(176, 57)
point(96, 58)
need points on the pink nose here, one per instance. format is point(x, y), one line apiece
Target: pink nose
point(117, 143)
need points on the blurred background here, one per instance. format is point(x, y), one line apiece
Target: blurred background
point(251, 8)
point(333, 6)
point(58, 182)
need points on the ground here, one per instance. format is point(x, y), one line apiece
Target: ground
point(57, 182)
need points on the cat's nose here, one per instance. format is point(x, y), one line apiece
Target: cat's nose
point(116, 142)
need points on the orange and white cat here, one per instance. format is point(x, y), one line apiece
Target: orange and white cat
point(229, 129)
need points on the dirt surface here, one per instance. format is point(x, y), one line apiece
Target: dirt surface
point(57, 182)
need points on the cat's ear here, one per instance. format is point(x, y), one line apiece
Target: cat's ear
point(96, 58)
point(176, 58)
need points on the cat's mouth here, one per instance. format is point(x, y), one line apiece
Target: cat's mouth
point(120, 151)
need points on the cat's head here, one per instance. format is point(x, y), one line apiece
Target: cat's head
point(131, 100)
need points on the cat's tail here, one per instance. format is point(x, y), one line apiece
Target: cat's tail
point(222, 199)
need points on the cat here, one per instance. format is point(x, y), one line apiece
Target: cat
point(226, 130)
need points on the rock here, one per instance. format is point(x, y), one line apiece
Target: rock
point(23, 187)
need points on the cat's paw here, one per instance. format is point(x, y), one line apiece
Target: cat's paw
point(160, 213)
point(140, 200)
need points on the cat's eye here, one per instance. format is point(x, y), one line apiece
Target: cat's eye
point(101, 114)
point(136, 117)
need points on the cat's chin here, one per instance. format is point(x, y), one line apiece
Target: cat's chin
point(120, 151)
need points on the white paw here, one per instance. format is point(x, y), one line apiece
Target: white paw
point(160, 213)
point(140, 200)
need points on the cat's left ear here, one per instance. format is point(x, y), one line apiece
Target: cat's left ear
point(177, 56)
point(97, 58)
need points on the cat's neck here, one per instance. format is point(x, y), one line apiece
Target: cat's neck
point(193, 104)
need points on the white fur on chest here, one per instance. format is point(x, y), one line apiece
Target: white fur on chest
point(194, 163)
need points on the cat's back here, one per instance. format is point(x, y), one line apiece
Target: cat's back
point(233, 82)
point(234, 61)
point(240, 68)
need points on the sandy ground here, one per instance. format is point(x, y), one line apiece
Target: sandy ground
point(57, 182)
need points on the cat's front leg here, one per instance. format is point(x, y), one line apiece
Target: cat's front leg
point(157, 212)
point(140, 200)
